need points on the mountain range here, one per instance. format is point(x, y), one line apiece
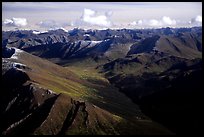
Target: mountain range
point(125, 81)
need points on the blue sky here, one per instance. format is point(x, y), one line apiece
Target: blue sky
point(99, 15)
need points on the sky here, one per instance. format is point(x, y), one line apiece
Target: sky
point(44, 16)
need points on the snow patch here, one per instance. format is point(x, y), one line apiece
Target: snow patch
point(58, 28)
point(96, 42)
point(36, 32)
point(86, 35)
point(93, 41)
point(19, 66)
point(17, 52)
point(39, 32)
point(116, 36)
point(64, 29)
point(50, 91)
point(106, 39)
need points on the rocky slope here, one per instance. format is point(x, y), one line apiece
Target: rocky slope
point(158, 69)
point(31, 106)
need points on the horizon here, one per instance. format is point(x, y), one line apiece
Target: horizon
point(67, 30)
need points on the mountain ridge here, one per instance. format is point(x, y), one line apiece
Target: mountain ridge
point(120, 75)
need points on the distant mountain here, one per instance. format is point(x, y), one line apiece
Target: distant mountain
point(185, 45)
point(106, 44)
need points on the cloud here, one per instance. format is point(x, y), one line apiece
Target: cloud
point(198, 18)
point(89, 12)
point(197, 21)
point(153, 22)
point(15, 22)
point(163, 22)
point(90, 18)
point(49, 24)
point(168, 21)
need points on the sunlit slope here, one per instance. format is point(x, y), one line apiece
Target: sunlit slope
point(113, 111)
point(79, 83)
point(51, 76)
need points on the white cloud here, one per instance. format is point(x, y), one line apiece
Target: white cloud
point(90, 17)
point(139, 23)
point(163, 22)
point(89, 12)
point(168, 21)
point(16, 22)
point(8, 21)
point(154, 22)
point(48, 24)
point(197, 21)
point(134, 23)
